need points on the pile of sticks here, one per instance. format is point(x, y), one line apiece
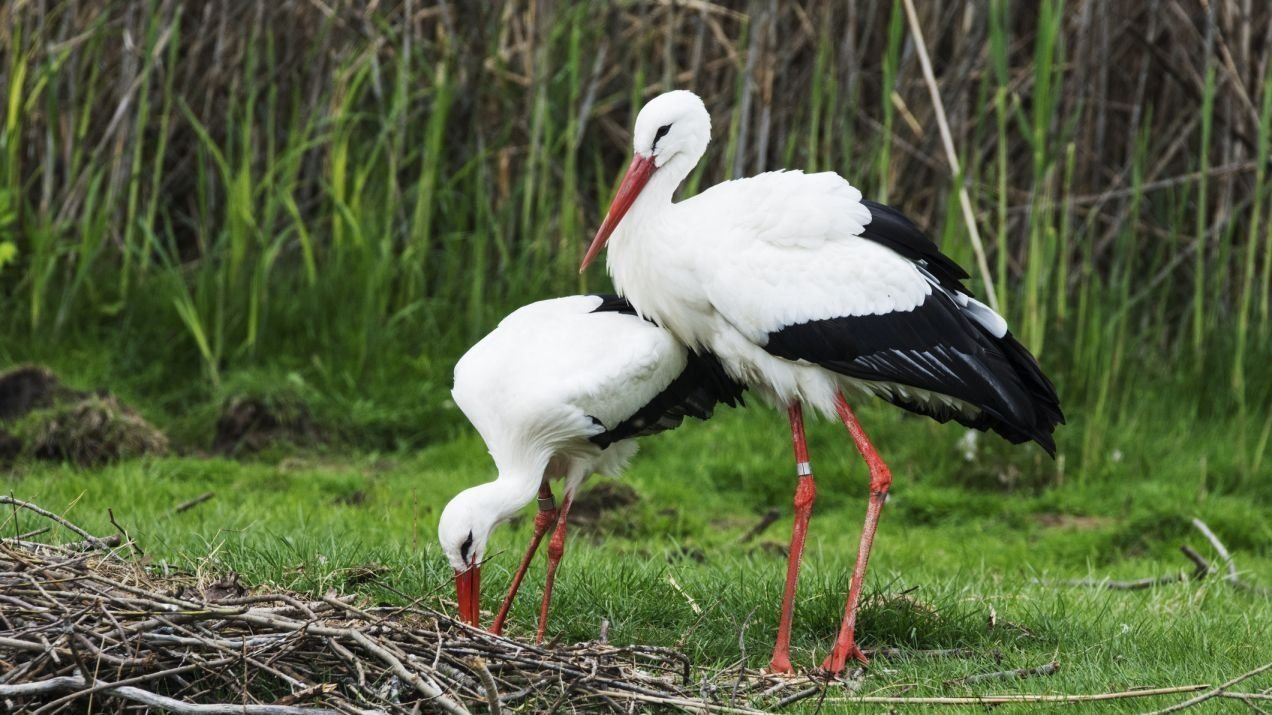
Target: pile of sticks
point(87, 626)
point(84, 625)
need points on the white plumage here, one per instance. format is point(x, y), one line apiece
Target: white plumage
point(559, 390)
point(744, 260)
point(531, 388)
point(805, 291)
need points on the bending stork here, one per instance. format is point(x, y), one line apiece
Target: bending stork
point(559, 390)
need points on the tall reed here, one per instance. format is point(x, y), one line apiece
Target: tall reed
point(346, 189)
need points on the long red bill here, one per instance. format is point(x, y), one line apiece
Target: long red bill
point(468, 593)
point(642, 167)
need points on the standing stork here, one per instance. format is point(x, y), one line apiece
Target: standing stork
point(561, 389)
point(805, 292)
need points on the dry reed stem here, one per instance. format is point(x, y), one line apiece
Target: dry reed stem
point(947, 141)
point(1211, 694)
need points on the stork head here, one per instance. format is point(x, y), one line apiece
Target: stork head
point(673, 125)
point(672, 132)
point(464, 529)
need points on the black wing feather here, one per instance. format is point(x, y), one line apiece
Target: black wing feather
point(611, 303)
point(935, 347)
point(694, 393)
point(896, 231)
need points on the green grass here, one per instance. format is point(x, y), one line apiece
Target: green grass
point(955, 538)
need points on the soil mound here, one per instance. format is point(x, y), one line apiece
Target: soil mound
point(43, 418)
point(250, 424)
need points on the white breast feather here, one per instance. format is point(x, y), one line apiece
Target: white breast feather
point(788, 250)
point(760, 254)
point(550, 366)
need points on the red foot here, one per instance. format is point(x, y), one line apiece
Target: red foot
point(836, 661)
point(781, 663)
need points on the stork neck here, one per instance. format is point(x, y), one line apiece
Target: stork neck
point(514, 488)
point(503, 498)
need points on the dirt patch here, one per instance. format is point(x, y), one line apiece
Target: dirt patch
point(31, 387)
point(250, 424)
point(772, 548)
point(590, 506)
point(48, 420)
point(226, 588)
point(357, 497)
point(94, 431)
point(1072, 521)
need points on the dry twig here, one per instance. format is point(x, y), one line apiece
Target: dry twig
point(1048, 669)
point(1202, 568)
point(951, 155)
point(765, 522)
point(1216, 692)
point(192, 503)
point(77, 624)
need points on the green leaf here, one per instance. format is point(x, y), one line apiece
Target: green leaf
point(8, 252)
point(8, 211)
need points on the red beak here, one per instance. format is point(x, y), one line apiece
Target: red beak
point(637, 176)
point(468, 593)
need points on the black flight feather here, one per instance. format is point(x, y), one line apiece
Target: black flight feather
point(937, 348)
point(893, 229)
point(611, 303)
point(694, 393)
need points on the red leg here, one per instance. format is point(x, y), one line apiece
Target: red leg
point(545, 518)
point(556, 548)
point(805, 493)
point(880, 478)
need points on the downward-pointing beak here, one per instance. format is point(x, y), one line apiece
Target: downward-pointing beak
point(642, 167)
point(468, 593)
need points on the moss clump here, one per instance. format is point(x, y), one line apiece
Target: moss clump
point(250, 424)
point(92, 431)
point(40, 417)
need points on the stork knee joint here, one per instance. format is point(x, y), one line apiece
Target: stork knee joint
point(880, 481)
point(544, 519)
point(805, 493)
point(880, 475)
point(556, 548)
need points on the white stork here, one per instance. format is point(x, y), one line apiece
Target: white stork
point(805, 292)
point(560, 390)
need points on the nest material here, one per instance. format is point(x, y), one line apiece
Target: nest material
point(85, 623)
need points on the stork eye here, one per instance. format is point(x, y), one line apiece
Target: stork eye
point(662, 132)
point(463, 548)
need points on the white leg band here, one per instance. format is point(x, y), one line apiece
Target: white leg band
point(803, 469)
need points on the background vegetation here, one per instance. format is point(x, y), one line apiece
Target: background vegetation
point(324, 202)
point(354, 193)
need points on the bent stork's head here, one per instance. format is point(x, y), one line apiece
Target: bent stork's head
point(672, 132)
point(464, 529)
